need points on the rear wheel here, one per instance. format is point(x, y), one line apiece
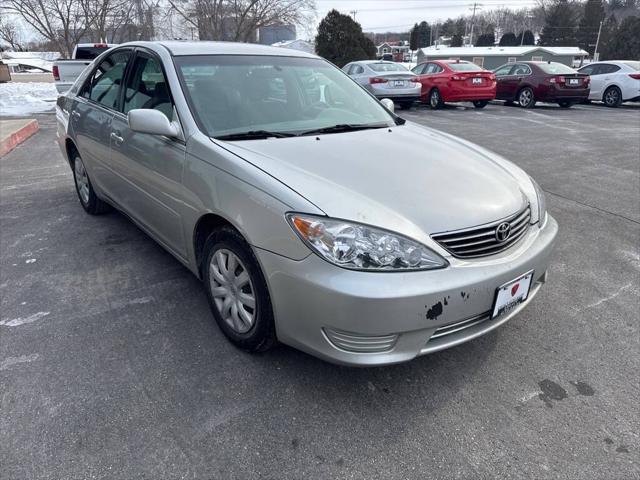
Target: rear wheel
point(480, 103)
point(435, 99)
point(565, 103)
point(612, 97)
point(87, 196)
point(237, 291)
point(526, 99)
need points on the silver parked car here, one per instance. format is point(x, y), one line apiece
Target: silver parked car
point(312, 213)
point(386, 80)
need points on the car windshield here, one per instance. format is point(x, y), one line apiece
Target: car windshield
point(256, 93)
point(387, 67)
point(634, 65)
point(555, 68)
point(464, 67)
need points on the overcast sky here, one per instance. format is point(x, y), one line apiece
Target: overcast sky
point(400, 15)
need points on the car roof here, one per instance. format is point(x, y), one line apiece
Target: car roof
point(179, 48)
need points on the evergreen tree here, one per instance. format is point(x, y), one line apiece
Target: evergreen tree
point(508, 40)
point(486, 40)
point(589, 23)
point(340, 40)
point(529, 39)
point(625, 44)
point(424, 34)
point(456, 40)
point(413, 39)
point(560, 25)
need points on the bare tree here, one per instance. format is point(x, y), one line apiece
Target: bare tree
point(11, 33)
point(239, 20)
point(63, 22)
point(108, 17)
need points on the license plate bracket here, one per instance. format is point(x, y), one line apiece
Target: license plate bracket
point(477, 81)
point(398, 83)
point(574, 81)
point(509, 295)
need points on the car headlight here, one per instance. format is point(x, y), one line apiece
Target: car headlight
point(361, 247)
point(542, 202)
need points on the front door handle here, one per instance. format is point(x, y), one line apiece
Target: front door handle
point(117, 139)
point(75, 114)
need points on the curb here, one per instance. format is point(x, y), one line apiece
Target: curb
point(19, 136)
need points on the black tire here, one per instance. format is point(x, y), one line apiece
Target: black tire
point(435, 99)
point(405, 105)
point(480, 103)
point(508, 103)
point(260, 335)
point(612, 97)
point(565, 104)
point(87, 196)
point(526, 98)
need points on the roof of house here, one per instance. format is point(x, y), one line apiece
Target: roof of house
point(502, 51)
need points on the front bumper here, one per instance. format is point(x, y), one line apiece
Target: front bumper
point(347, 316)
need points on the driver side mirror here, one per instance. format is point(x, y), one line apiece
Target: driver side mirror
point(154, 122)
point(388, 104)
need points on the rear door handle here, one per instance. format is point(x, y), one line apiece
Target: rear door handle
point(117, 139)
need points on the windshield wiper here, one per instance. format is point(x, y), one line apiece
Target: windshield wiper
point(255, 135)
point(344, 127)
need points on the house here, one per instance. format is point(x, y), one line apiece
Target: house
point(276, 33)
point(396, 51)
point(300, 45)
point(492, 57)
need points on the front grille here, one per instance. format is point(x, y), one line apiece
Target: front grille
point(482, 241)
point(353, 342)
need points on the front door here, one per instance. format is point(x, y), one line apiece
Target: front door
point(150, 165)
point(506, 83)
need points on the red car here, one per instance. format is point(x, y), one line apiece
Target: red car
point(455, 81)
point(529, 82)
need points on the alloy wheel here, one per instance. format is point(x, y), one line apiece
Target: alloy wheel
point(525, 97)
point(611, 97)
point(232, 290)
point(82, 180)
point(435, 98)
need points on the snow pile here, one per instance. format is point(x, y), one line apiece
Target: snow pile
point(20, 99)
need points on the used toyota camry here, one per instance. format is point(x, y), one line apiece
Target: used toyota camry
point(312, 213)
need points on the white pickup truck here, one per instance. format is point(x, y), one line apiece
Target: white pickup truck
point(65, 72)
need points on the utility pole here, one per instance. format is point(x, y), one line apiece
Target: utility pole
point(595, 52)
point(474, 7)
point(353, 12)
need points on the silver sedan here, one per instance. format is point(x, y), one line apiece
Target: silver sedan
point(313, 214)
point(386, 80)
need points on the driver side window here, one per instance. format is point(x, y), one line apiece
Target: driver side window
point(504, 71)
point(147, 87)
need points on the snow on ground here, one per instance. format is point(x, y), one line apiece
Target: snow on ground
point(23, 99)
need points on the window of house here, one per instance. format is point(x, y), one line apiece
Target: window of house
point(478, 61)
point(512, 60)
point(536, 59)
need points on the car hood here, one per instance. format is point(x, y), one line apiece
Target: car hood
point(409, 178)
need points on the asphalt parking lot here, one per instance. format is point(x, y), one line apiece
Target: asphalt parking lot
point(112, 367)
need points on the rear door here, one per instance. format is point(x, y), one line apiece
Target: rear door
point(150, 166)
point(92, 113)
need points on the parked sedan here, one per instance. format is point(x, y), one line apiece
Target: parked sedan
point(614, 82)
point(386, 80)
point(313, 215)
point(455, 81)
point(530, 82)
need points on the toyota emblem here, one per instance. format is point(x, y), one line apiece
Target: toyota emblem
point(503, 231)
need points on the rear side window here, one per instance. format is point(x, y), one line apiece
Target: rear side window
point(147, 87)
point(103, 85)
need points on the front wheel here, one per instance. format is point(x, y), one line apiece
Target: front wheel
point(526, 99)
point(435, 99)
point(480, 103)
point(565, 104)
point(237, 291)
point(612, 97)
point(87, 196)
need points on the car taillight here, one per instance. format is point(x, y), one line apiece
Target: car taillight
point(586, 81)
point(457, 77)
point(558, 79)
point(492, 77)
point(56, 73)
point(377, 80)
point(635, 76)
